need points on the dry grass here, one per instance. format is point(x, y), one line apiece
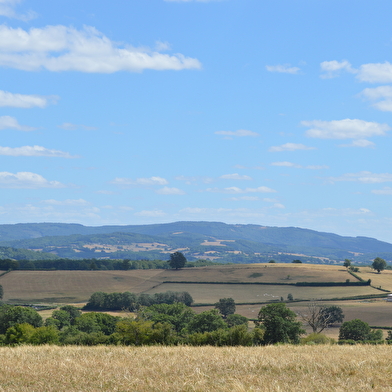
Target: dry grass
point(280, 273)
point(210, 293)
point(164, 369)
point(383, 279)
point(72, 286)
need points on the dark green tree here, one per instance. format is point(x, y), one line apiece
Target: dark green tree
point(177, 260)
point(225, 306)
point(332, 314)
point(280, 324)
point(73, 312)
point(355, 329)
point(236, 319)
point(207, 321)
point(290, 297)
point(347, 263)
point(1, 292)
point(379, 264)
point(297, 261)
point(12, 315)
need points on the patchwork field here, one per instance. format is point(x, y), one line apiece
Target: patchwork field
point(210, 293)
point(72, 286)
point(171, 369)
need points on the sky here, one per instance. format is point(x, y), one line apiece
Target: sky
point(268, 112)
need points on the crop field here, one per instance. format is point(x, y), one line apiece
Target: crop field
point(72, 286)
point(271, 273)
point(172, 369)
point(384, 279)
point(210, 293)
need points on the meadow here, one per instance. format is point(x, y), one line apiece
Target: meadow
point(170, 369)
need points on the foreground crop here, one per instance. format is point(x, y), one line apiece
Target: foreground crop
point(272, 368)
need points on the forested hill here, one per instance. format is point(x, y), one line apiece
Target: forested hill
point(213, 240)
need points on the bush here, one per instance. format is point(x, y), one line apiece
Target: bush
point(316, 338)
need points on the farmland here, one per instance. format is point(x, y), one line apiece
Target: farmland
point(164, 369)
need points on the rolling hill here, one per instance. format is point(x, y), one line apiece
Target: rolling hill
point(206, 240)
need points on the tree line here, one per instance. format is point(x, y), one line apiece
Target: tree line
point(175, 324)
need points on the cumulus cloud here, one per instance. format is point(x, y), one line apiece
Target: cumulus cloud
point(332, 69)
point(286, 164)
point(61, 48)
point(26, 180)
point(7, 9)
point(381, 93)
point(170, 191)
point(25, 101)
point(285, 68)
point(375, 72)
point(364, 177)
point(140, 181)
point(363, 143)
point(189, 179)
point(34, 151)
point(151, 214)
point(236, 190)
point(235, 176)
point(385, 191)
point(8, 122)
point(345, 129)
point(290, 147)
point(67, 202)
point(239, 133)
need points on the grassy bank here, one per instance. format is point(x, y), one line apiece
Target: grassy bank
point(272, 368)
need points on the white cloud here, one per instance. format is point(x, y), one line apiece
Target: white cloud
point(73, 127)
point(34, 151)
point(365, 177)
point(236, 190)
point(26, 180)
point(61, 48)
point(189, 180)
point(317, 167)
point(382, 92)
point(385, 191)
point(239, 133)
point(333, 68)
point(290, 147)
point(25, 101)
point(7, 9)
point(67, 202)
point(375, 72)
point(363, 143)
point(170, 191)
point(8, 122)
point(140, 181)
point(235, 176)
point(285, 68)
point(246, 198)
point(286, 164)
point(151, 214)
point(345, 129)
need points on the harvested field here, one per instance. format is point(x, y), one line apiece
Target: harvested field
point(210, 293)
point(384, 279)
point(279, 273)
point(164, 369)
point(72, 286)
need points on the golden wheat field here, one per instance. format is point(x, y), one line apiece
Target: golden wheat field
point(171, 369)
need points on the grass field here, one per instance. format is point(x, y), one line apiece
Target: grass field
point(72, 286)
point(171, 369)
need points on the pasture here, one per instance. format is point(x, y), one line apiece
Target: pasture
point(170, 369)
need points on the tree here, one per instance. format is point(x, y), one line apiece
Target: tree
point(177, 260)
point(236, 319)
point(290, 297)
point(347, 263)
point(12, 315)
point(279, 324)
point(354, 330)
point(297, 261)
point(379, 264)
point(225, 306)
point(333, 314)
point(207, 321)
point(1, 292)
point(319, 317)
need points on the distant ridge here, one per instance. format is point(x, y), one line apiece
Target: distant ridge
point(217, 240)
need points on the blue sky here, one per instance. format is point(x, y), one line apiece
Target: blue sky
point(270, 112)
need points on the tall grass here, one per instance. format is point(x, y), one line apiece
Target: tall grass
point(272, 368)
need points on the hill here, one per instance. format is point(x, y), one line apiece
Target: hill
point(208, 240)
